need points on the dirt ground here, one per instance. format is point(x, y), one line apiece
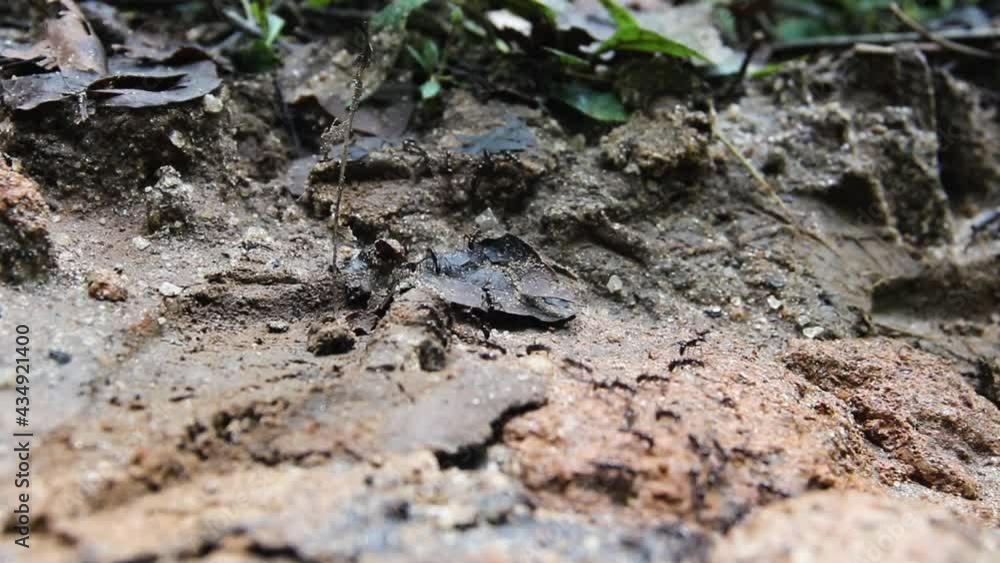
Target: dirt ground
point(804, 375)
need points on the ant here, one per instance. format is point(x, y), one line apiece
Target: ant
point(694, 342)
point(488, 165)
point(422, 165)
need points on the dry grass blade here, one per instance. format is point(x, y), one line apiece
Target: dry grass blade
point(943, 42)
point(360, 64)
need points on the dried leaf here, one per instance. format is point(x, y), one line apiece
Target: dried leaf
point(129, 85)
point(502, 275)
point(70, 44)
point(82, 68)
point(514, 135)
point(157, 86)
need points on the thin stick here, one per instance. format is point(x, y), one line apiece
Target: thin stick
point(786, 214)
point(360, 64)
point(835, 41)
point(945, 43)
point(755, 43)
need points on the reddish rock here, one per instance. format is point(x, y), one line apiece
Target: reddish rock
point(25, 248)
point(106, 285)
point(836, 526)
point(914, 407)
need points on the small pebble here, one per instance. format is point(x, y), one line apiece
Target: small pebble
point(714, 311)
point(106, 285)
point(277, 327)
point(774, 303)
point(487, 221)
point(812, 332)
point(177, 139)
point(212, 104)
point(168, 289)
point(615, 284)
point(141, 243)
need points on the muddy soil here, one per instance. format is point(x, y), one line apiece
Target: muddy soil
point(806, 374)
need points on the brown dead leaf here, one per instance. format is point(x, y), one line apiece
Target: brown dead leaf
point(69, 45)
point(81, 68)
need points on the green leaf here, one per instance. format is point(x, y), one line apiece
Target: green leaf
point(456, 14)
point(622, 17)
point(250, 10)
point(768, 69)
point(419, 58)
point(567, 59)
point(648, 41)
point(395, 14)
point(319, 3)
point(599, 105)
point(431, 55)
point(275, 24)
point(474, 28)
point(502, 46)
point(430, 89)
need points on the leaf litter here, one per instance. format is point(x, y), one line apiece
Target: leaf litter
point(73, 64)
point(502, 275)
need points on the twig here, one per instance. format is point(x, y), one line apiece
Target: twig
point(943, 42)
point(786, 214)
point(845, 41)
point(360, 64)
point(761, 181)
point(755, 43)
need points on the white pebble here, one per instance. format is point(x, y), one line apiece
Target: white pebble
point(168, 289)
point(812, 331)
point(141, 243)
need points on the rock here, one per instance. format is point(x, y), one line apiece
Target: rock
point(487, 222)
point(25, 246)
point(330, 336)
point(835, 526)
point(812, 332)
point(168, 289)
point(459, 415)
point(106, 285)
point(930, 426)
point(277, 327)
point(212, 104)
point(615, 284)
point(671, 143)
point(140, 243)
point(168, 202)
point(714, 311)
point(774, 303)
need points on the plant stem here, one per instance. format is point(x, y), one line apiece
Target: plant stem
point(360, 64)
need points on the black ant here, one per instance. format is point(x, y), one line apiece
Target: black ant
point(489, 303)
point(472, 239)
point(422, 165)
point(685, 362)
point(434, 260)
point(488, 164)
point(694, 342)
